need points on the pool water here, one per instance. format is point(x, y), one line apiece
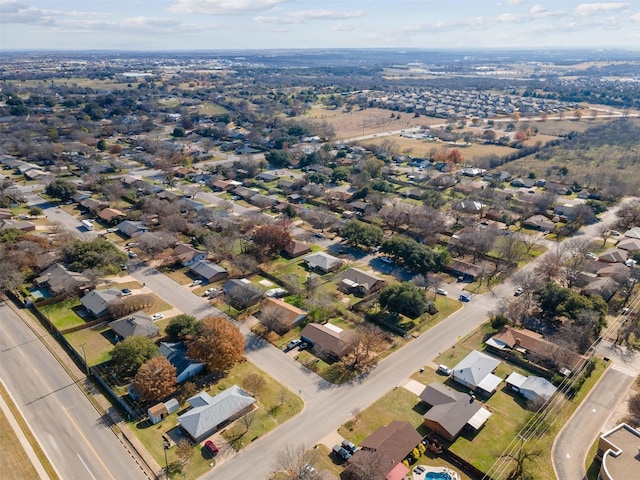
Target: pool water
point(437, 476)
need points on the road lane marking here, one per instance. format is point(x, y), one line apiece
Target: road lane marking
point(87, 467)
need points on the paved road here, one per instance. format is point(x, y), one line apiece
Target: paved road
point(568, 454)
point(65, 424)
point(58, 215)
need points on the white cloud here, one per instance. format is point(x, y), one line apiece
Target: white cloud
point(636, 17)
point(344, 27)
point(309, 15)
point(509, 18)
point(224, 7)
point(537, 9)
point(515, 2)
point(588, 9)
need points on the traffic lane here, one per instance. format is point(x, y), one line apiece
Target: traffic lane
point(69, 429)
point(586, 424)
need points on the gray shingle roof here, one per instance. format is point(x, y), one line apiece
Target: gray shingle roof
point(208, 412)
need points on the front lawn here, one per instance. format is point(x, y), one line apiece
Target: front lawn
point(64, 314)
point(96, 342)
point(275, 405)
point(398, 404)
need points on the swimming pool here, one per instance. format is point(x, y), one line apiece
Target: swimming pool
point(437, 476)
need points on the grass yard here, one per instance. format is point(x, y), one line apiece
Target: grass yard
point(63, 314)
point(13, 459)
point(398, 404)
point(95, 341)
point(275, 405)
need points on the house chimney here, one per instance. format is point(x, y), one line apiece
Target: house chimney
point(518, 341)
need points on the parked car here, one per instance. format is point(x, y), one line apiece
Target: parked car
point(195, 283)
point(132, 254)
point(519, 291)
point(123, 266)
point(157, 316)
point(209, 445)
point(442, 291)
point(350, 447)
point(615, 233)
point(464, 297)
point(292, 344)
point(418, 470)
point(211, 292)
point(303, 346)
point(341, 452)
point(310, 470)
point(126, 292)
point(320, 235)
point(591, 255)
point(443, 369)
point(386, 260)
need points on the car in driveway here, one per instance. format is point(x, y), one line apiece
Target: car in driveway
point(126, 292)
point(292, 344)
point(341, 452)
point(157, 316)
point(418, 470)
point(464, 297)
point(211, 447)
point(349, 446)
point(195, 283)
point(386, 260)
point(519, 291)
point(132, 254)
point(320, 235)
point(444, 370)
point(442, 291)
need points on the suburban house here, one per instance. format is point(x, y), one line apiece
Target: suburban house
point(359, 282)
point(476, 372)
point(296, 248)
point(23, 225)
point(58, 279)
point(468, 271)
point(289, 316)
point(161, 410)
point(539, 222)
point(135, 324)
point(188, 254)
point(533, 344)
point(618, 450)
point(533, 388)
point(391, 444)
point(168, 196)
point(613, 255)
point(605, 287)
point(97, 302)
point(5, 214)
point(328, 340)
point(111, 214)
point(240, 294)
point(322, 262)
point(451, 412)
point(92, 204)
point(132, 228)
point(628, 244)
point(208, 414)
point(212, 272)
point(633, 233)
point(176, 353)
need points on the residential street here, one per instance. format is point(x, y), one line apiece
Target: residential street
point(67, 427)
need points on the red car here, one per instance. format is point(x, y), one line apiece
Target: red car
point(209, 445)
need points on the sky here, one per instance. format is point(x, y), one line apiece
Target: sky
point(266, 24)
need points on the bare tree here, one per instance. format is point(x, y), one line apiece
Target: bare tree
point(184, 451)
point(603, 232)
point(296, 461)
point(270, 317)
point(254, 384)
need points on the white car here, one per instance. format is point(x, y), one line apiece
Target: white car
point(442, 291)
point(195, 283)
point(157, 316)
point(386, 260)
point(519, 291)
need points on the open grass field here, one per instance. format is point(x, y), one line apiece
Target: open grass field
point(63, 314)
point(366, 122)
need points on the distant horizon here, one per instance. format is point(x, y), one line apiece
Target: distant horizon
point(214, 25)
